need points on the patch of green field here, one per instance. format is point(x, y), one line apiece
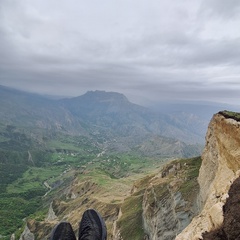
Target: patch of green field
point(3, 138)
point(21, 198)
point(98, 176)
point(13, 210)
point(24, 196)
point(73, 144)
point(58, 144)
point(34, 178)
point(123, 165)
point(73, 159)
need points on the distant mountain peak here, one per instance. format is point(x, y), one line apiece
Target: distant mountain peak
point(103, 96)
point(110, 113)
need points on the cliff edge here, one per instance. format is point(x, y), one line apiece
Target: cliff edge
point(220, 168)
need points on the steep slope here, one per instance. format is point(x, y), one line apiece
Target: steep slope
point(167, 209)
point(220, 167)
point(158, 204)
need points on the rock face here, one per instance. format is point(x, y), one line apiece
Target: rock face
point(27, 235)
point(51, 214)
point(230, 228)
point(220, 167)
point(165, 217)
point(167, 210)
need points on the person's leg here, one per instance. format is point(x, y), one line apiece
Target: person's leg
point(63, 231)
point(92, 226)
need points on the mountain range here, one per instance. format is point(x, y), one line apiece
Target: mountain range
point(109, 119)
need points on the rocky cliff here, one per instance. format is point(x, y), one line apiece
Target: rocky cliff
point(220, 168)
point(160, 205)
point(157, 206)
point(169, 203)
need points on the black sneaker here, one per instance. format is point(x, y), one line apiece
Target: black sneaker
point(63, 231)
point(92, 226)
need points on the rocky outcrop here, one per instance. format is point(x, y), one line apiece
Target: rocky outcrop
point(51, 214)
point(230, 228)
point(220, 167)
point(164, 217)
point(167, 210)
point(161, 205)
point(27, 234)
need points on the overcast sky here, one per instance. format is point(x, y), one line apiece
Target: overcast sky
point(146, 49)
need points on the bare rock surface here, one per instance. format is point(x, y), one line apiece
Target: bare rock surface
point(230, 228)
point(219, 169)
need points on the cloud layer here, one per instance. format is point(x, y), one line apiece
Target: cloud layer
point(146, 49)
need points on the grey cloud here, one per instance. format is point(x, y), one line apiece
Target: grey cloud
point(214, 52)
point(221, 8)
point(157, 50)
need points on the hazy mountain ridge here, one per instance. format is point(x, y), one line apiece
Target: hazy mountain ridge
point(31, 110)
point(107, 117)
point(115, 111)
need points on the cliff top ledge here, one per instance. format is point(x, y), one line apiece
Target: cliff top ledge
point(232, 115)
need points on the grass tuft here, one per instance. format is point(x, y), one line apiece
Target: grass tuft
point(229, 114)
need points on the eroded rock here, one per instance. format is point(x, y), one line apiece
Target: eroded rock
point(220, 167)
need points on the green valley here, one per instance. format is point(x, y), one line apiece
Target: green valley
point(77, 153)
